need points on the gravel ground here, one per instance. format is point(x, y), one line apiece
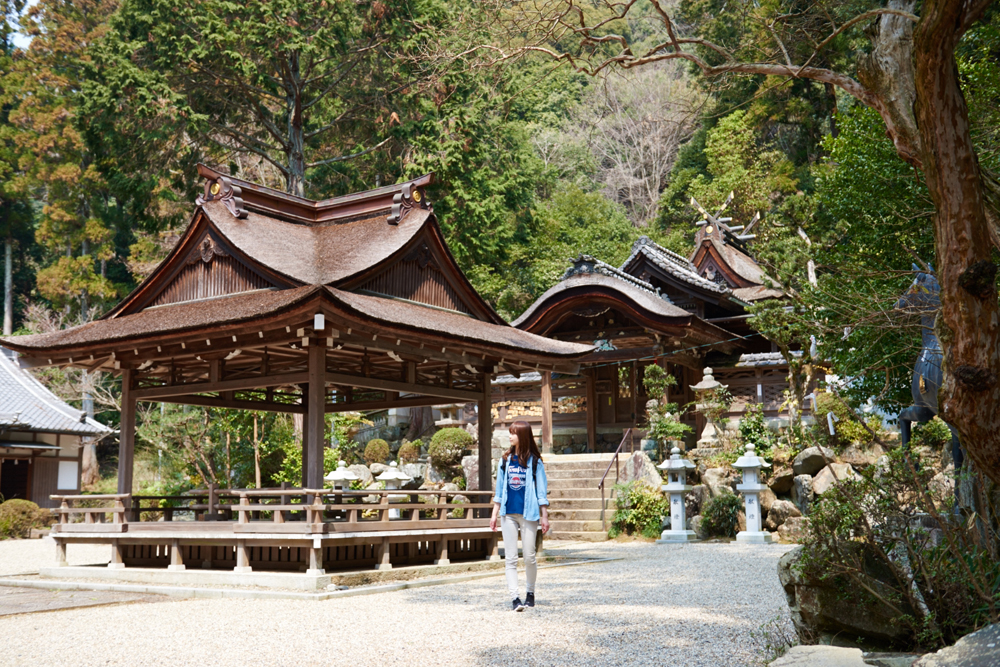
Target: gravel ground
point(27, 556)
point(688, 605)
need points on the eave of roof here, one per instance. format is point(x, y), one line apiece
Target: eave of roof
point(672, 263)
point(195, 317)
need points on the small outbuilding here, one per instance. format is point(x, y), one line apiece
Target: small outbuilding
point(41, 438)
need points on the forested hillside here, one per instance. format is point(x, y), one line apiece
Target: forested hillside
point(543, 148)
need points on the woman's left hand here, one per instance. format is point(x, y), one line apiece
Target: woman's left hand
point(544, 523)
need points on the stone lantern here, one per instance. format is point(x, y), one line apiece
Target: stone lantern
point(709, 435)
point(393, 478)
point(677, 487)
point(341, 478)
point(751, 487)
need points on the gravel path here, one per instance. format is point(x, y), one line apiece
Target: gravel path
point(681, 604)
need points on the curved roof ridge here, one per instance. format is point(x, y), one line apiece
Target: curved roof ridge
point(674, 264)
point(585, 264)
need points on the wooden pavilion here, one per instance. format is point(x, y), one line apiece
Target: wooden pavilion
point(274, 302)
point(684, 313)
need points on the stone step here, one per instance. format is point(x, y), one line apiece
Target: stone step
point(576, 458)
point(576, 526)
point(563, 504)
point(575, 465)
point(574, 514)
point(575, 473)
point(589, 494)
point(579, 536)
point(578, 483)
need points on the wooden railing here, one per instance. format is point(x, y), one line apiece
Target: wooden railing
point(303, 510)
point(614, 462)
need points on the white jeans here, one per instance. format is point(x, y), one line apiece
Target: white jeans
point(510, 524)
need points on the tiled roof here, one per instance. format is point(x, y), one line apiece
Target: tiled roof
point(525, 378)
point(249, 306)
point(586, 264)
point(28, 405)
point(672, 263)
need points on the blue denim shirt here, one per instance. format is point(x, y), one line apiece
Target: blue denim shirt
point(536, 491)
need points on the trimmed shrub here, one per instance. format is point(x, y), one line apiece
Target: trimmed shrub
point(376, 451)
point(410, 451)
point(640, 509)
point(721, 515)
point(18, 517)
point(448, 445)
point(459, 481)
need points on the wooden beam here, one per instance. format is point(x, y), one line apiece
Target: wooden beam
point(126, 437)
point(236, 404)
point(362, 382)
point(153, 393)
point(546, 412)
point(405, 402)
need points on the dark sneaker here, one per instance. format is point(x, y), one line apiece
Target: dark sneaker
point(517, 605)
point(529, 600)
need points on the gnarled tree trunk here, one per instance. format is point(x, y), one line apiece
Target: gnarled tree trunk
point(969, 326)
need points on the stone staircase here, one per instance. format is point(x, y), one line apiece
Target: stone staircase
point(574, 496)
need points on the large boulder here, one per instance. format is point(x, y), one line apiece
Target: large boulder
point(698, 528)
point(821, 613)
point(832, 474)
point(638, 467)
point(861, 457)
point(793, 529)
point(364, 474)
point(979, 648)
point(767, 499)
point(470, 468)
point(811, 460)
point(781, 511)
point(696, 499)
point(781, 481)
point(942, 485)
point(417, 471)
point(802, 493)
point(717, 480)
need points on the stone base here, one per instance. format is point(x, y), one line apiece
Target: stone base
point(242, 570)
point(116, 566)
point(315, 573)
point(763, 537)
point(669, 536)
point(176, 568)
point(383, 566)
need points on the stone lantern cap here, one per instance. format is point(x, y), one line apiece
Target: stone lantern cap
point(750, 460)
point(393, 475)
point(708, 383)
point(341, 475)
point(675, 462)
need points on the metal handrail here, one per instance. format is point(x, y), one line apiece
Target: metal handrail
point(614, 461)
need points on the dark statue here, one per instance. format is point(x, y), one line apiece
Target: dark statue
point(923, 297)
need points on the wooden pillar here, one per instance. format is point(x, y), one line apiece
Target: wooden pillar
point(442, 551)
point(315, 420)
point(176, 557)
point(485, 409)
point(61, 553)
point(546, 412)
point(592, 409)
point(382, 555)
point(117, 561)
point(315, 560)
point(305, 439)
point(126, 437)
point(242, 558)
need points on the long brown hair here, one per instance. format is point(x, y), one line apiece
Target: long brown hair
point(526, 446)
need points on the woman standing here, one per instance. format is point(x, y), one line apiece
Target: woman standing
point(521, 502)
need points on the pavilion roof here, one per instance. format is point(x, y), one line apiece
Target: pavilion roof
point(674, 264)
point(210, 316)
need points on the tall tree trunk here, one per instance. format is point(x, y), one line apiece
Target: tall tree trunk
point(969, 325)
point(296, 132)
point(256, 454)
point(90, 471)
point(8, 287)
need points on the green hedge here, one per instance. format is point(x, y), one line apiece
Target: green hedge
point(448, 445)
